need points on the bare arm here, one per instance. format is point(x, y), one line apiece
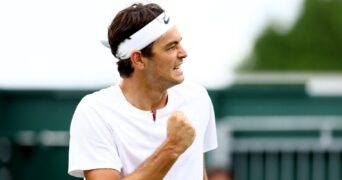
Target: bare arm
point(205, 176)
point(180, 135)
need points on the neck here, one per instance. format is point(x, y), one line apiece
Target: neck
point(143, 96)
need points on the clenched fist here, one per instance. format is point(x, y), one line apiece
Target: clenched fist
point(180, 131)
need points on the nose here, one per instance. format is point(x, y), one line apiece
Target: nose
point(182, 53)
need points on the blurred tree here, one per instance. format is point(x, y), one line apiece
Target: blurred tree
point(314, 44)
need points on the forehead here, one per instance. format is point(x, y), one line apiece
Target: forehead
point(170, 36)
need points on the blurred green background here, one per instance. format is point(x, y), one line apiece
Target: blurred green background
point(314, 44)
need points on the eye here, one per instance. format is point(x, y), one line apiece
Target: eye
point(173, 47)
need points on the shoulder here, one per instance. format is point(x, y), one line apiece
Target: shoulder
point(100, 97)
point(190, 88)
point(93, 107)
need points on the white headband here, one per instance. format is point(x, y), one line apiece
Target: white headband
point(144, 36)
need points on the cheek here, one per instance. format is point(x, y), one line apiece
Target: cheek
point(163, 69)
point(158, 69)
point(164, 65)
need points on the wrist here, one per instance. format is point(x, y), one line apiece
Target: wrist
point(173, 148)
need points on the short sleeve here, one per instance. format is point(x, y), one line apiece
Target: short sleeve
point(91, 145)
point(210, 136)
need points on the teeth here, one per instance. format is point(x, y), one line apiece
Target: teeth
point(177, 67)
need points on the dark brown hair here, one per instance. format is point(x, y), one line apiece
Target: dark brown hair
point(127, 22)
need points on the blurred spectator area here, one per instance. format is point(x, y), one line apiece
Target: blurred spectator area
point(280, 126)
point(270, 126)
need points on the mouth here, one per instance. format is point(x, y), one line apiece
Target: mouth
point(178, 67)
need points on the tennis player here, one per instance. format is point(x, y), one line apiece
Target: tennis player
point(151, 125)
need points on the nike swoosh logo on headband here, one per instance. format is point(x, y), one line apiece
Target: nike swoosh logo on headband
point(166, 19)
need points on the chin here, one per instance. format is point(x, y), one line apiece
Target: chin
point(180, 80)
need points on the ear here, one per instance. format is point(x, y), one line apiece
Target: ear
point(136, 60)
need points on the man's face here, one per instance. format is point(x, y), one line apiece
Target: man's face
point(165, 64)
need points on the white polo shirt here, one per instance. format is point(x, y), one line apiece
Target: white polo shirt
point(108, 132)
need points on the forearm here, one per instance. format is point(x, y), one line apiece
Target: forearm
point(205, 176)
point(157, 165)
